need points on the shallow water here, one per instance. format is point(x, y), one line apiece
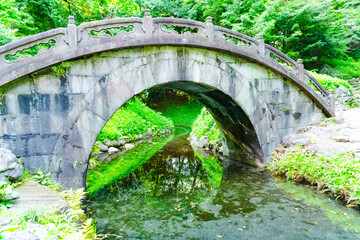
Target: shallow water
point(180, 194)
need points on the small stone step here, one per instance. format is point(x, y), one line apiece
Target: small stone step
point(33, 195)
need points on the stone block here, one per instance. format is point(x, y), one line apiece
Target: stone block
point(41, 144)
point(33, 163)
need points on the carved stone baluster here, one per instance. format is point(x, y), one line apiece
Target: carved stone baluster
point(148, 22)
point(301, 71)
point(72, 32)
point(261, 45)
point(210, 29)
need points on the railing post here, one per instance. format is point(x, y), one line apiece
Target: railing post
point(210, 29)
point(332, 99)
point(148, 22)
point(301, 71)
point(72, 32)
point(261, 45)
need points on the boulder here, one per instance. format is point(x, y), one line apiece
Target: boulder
point(112, 150)
point(150, 132)
point(19, 235)
point(121, 141)
point(107, 142)
point(129, 146)
point(9, 166)
point(39, 230)
point(4, 221)
point(202, 142)
point(298, 139)
point(15, 173)
point(102, 147)
point(342, 93)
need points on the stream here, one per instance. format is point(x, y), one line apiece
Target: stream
point(181, 193)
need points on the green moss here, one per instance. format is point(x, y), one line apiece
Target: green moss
point(339, 173)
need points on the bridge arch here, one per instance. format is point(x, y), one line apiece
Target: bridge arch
point(52, 123)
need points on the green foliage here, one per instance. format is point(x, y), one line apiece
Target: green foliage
point(60, 69)
point(319, 32)
point(43, 179)
point(205, 125)
point(133, 119)
point(331, 82)
point(183, 115)
point(339, 173)
point(6, 193)
point(32, 51)
point(345, 69)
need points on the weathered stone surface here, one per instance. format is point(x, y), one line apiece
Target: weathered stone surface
point(4, 221)
point(129, 146)
point(343, 94)
point(9, 166)
point(202, 142)
point(298, 139)
point(102, 147)
point(150, 132)
point(19, 235)
point(39, 230)
point(113, 150)
point(121, 141)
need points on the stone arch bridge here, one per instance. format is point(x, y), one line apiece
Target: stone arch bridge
point(256, 93)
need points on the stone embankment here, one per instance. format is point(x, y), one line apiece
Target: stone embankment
point(204, 144)
point(111, 149)
point(341, 134)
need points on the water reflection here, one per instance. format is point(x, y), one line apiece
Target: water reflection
point(181, 194)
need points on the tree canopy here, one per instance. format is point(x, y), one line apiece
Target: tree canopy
point(320, 32)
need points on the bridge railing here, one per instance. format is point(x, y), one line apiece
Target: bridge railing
point(122, 30)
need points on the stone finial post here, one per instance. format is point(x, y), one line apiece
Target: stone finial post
point(72, 32)
point(332, 99)
point(301, 71)
point(148, 24)
point(210, 29)
point(261, 45)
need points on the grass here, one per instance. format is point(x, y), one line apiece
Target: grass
point(106, 174)
point(205, 125)
point(133, 119)
point(339, 174)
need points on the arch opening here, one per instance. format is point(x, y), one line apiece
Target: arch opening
point(239, 139)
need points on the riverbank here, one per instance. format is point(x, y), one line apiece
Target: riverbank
point(324, 156)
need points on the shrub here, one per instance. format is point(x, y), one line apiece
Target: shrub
point(6, 194)
point(133, 119)
point(331, 82)
point(205, 125)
